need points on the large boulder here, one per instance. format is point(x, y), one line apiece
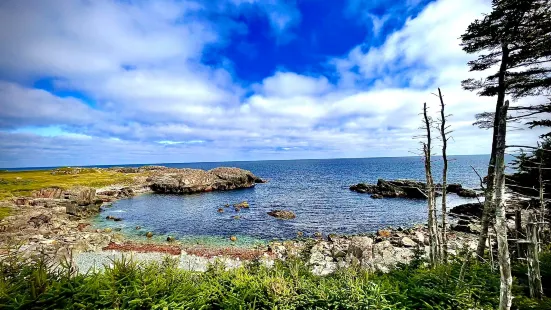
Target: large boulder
point(82, 195)
point(361, 247)
point(468, 209)
point(82, 211)
point(282, 214)
point(467, 193)
point(187, 181)
point(454, 188)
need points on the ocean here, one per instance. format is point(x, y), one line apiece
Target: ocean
point(316, 190)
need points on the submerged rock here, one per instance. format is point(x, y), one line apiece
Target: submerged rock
point(187, 181)
point(282, 214)
point(242, 204)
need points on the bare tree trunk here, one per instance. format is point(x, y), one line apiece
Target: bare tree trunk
point(443, 133)
point(534, 275)
point(505, 298)
point(518, 232)
point(434, 237)
point(489, 205)
point(542, 202)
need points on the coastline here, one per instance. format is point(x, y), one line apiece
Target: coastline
point(78, 235)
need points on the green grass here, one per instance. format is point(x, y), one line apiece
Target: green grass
point(287, 285)
point(23, 183)
point(27, 284)
point(4, 212)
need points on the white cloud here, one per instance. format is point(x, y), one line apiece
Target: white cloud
point(169, 106)
point(34, 107)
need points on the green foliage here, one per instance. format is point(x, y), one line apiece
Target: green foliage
point(528, 173)
point(520, 30)
point(124, 284)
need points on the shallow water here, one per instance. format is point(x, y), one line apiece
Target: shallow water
point(316, 190)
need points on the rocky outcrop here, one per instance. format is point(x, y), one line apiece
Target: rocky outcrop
point(49, 193)
point(188, 181)
point(408, 189)
point(282, 214)
point(468, 209)
point(462, 192)
point(393, 189)
point(81, 195)
point(111, 194)
point(380, 251)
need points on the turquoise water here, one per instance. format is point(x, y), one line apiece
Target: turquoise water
point(316, 190)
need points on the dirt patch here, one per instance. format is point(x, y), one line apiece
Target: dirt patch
point(241, 253)
point(144, 248)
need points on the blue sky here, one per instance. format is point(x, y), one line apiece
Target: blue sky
point(129, 81)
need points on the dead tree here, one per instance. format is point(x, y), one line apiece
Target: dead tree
point(434, 236)
point(542, 200)
point(534, 275)
point(505, 299)
point(443, 134)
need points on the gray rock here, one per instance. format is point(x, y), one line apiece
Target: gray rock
point(360, 247)
point(467, 193)
point(407, 242)
point(187, 181)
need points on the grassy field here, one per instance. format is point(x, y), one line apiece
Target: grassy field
point(23, 183)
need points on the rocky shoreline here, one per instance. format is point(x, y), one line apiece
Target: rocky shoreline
point(56, 221)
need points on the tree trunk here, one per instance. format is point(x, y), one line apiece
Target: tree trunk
point(542, 202)
point(518, 232)
point(505, 298)
point(489, 206)
point(534, 275)
point(444, 177)
point(434, 237)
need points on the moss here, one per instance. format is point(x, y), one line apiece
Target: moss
point(23, 183)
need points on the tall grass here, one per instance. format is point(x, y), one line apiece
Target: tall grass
point(125, 284)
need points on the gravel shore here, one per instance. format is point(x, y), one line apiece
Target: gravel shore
point(90, 261)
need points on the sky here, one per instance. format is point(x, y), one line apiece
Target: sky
point(128, 81)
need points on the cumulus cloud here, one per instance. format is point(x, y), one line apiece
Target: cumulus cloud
point(35, 107)
point(155, 100)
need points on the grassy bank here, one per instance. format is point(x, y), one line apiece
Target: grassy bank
point(4, 211)
point(287, 285)
point(23, 183)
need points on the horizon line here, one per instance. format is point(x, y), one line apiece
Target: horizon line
point(209, 162)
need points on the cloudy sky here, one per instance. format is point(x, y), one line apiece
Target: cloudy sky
point(124, 81)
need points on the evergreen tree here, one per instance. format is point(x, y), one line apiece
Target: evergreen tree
point(515, 37)
point(526, 179)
